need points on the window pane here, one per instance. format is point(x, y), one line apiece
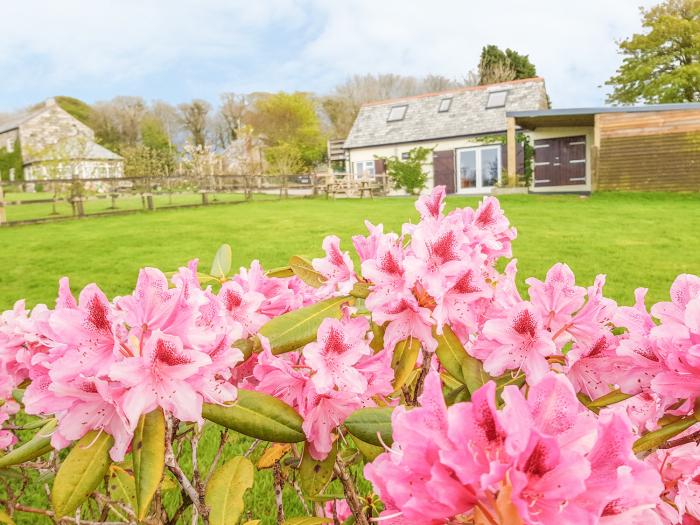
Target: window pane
point(369, 168)
point(445, 105)
point(467, 169)
point(489, 166)
point(497, 99)
point(397, 113)
point(358, 168)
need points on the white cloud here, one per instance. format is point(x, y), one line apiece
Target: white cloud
point(205, 47)
point(572, 45)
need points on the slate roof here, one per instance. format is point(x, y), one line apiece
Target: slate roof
point(79, 149)
point(14, 121)
point(467, 114)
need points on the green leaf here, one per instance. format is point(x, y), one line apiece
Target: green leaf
point(222, 262)
point(18, 394)
point(307, 521)
point(122, 486)
point(81, 472)
point(609, 399)
point(455, 359)
point(366, 423)
point(404, 360)
point(252, 522)
point(314, 475)
point(39, 445)
point(282, 271)
point(225, 491)
point(658, 437)
point(369, 452)
point(258, 415)
point(360, 290)
point(246, 346)
point(377, 343)
point(295, 329)
point(303, 269)
point(149, 458)
point(5, 518)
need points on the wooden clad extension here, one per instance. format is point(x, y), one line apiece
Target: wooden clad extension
point(646, 151)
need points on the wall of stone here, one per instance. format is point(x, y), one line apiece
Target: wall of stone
point(49, 127)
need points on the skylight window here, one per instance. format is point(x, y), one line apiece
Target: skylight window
point(397, 113)
point(497, 99)
point(445, 104)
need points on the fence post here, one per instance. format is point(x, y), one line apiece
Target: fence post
point(149, 202)
point(3, 217)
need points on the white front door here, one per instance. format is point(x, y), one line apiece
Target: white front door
point(478, 168)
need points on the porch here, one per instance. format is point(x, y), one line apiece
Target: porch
point(565, 145)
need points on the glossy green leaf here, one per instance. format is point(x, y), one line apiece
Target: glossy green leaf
point(222, 262)
point(297, 328)
point(5, 518)
point(652, 440)
point(122, 486)
point(609, 399)
point(314, 475)
point(368, 451)
point(404, 359)
point(225, 491)
point(455, 359)
point(18, 394)
point(307, 521)
point(81, 472)
point(39, 445)
point(258, 415)
point(149, 458)
point(281, 272)
point(303, 269)
point(369, 423)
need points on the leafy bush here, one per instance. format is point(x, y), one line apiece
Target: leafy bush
point(408, 173)
point(462, 401)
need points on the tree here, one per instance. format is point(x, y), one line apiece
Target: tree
point(496, 65)
point(662, 64)
point(117, 123)
point(194, 117)
point(229, 117)
point(290, 119)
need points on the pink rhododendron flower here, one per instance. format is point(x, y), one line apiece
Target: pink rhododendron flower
point(339, 347)
point(159, 377)
point(336, 267)
point(518, 342)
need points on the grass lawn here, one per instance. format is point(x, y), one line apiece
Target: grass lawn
point(636, 239)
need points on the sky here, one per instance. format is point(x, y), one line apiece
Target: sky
point(176, 50)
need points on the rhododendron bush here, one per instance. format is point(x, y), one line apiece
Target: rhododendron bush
point(415, 363)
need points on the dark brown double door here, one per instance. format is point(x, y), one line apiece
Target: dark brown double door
point(560, 161)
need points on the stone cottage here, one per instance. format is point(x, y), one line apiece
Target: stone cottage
point(54, 144)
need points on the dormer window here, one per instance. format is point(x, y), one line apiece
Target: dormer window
point(397, 113)
point(497, 99)
point(445, 104)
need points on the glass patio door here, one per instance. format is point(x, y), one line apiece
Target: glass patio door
point(478, 168)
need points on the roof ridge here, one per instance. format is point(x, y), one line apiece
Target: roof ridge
point(452, 90)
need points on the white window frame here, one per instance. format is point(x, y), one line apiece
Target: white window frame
point(479, 188)
point(397, 117)
point(445, 105)
point(491, 105)
point(363, 168)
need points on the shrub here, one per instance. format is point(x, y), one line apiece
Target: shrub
point(465, 402)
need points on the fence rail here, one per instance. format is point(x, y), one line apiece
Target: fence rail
point(26, 202)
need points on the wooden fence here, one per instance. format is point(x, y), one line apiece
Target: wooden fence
point(27, 202)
